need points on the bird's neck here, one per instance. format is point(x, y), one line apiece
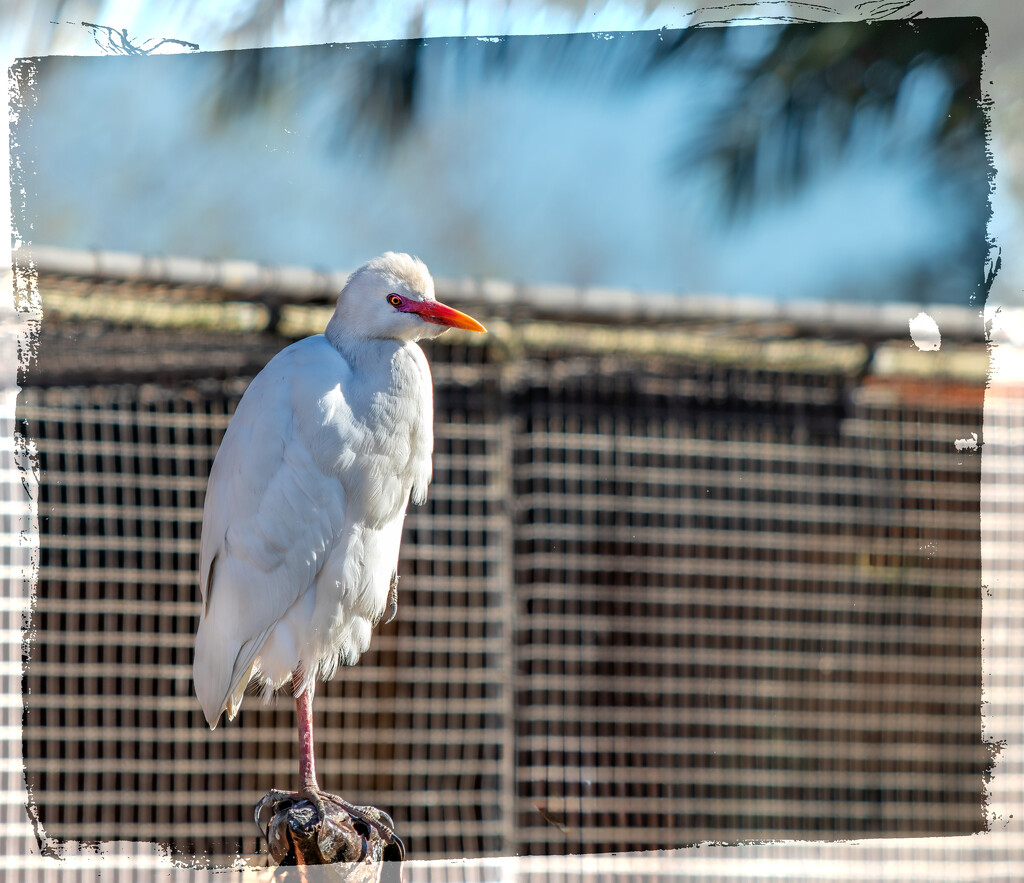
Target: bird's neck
point(364, 352)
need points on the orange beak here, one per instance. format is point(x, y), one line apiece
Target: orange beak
point(440, 314)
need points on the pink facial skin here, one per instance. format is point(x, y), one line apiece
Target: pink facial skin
point(434, 312)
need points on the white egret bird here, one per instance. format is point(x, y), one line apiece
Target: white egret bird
point(307, 496)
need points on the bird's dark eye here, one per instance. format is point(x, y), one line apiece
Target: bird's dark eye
point(394, 300)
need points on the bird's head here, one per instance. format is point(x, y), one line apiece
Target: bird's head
point(392, 297)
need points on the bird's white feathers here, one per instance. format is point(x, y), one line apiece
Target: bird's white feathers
point(363, 312)
point(308, 492)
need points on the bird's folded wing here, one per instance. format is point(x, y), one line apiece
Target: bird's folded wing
point(271, 518)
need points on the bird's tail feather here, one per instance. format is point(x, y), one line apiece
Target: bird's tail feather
point(221, 672)
point(211, 670)
point(238, 694)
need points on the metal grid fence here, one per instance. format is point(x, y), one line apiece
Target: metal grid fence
point(114, 746)
point(745, 614)
point(655, 598)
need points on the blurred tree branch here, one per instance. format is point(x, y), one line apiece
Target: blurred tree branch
point(799, 99)
point(805, 93)
point(116, 42)
point(785, 102)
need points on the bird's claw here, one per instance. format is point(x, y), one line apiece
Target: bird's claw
point(364, 821)
point(372, 817)
point(271, 804)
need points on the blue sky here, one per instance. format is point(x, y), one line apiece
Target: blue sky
point(553, 169)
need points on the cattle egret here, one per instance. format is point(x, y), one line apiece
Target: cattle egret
point(307, 496)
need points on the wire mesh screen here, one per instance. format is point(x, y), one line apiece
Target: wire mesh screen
point(114, 746)
point(653, 599)
point(750, 609)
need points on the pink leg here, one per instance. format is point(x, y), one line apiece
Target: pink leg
point(310, 790)
point(304, 708)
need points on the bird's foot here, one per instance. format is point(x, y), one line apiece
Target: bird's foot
point(316, 827)
point(374, 818)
